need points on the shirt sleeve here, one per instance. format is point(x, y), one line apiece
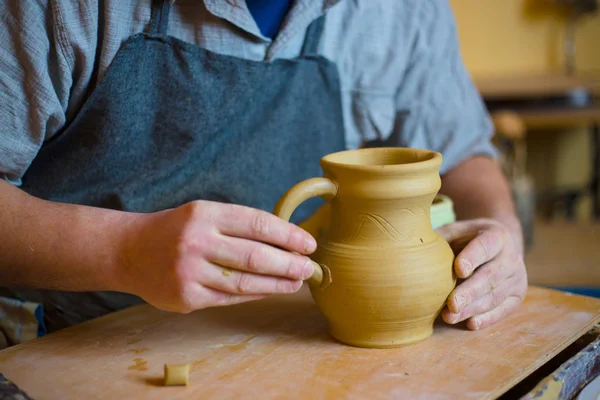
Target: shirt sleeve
point(438, 106)
point(34, 83)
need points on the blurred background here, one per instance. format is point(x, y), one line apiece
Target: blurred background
point(537, 65)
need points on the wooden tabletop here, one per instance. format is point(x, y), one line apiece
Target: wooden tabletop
point(279, 348)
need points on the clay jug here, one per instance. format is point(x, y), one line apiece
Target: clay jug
point(384, 274)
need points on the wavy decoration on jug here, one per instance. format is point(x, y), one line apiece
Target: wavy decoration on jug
point(383, 225)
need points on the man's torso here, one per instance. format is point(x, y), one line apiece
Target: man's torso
point(370, 42)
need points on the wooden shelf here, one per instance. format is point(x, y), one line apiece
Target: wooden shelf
point(535, 86)
point(559, 118)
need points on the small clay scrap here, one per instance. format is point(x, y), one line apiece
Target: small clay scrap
point(177, 375)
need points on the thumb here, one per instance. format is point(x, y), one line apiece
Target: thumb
point(459, 234)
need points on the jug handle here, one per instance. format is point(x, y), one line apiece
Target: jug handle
point(299, 193)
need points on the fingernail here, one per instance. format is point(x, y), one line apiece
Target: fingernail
point(308, 269)
point(310, 244)
point(295, 286)
point(476, 323)
point(460, 302)
point(452, 318)
point(465, 267)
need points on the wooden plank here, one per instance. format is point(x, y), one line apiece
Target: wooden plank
point(279, 348)
point(528, 385)
point(528, 86)
point(572, 376)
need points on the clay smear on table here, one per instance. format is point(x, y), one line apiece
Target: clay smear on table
point(139, 365)
point(139, 351)
point(228, 348)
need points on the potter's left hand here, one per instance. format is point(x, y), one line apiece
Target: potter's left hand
point(490, 259)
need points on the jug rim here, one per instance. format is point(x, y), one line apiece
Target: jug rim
point(424, 160)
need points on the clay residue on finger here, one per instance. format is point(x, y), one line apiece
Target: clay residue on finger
point(226, 272)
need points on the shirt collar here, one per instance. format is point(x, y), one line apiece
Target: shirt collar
point(236, 12)
point(326, 3)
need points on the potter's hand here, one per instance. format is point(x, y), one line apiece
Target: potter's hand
point(206, 254)
point(490, 260)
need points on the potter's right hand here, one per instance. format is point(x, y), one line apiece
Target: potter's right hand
point(206, 254)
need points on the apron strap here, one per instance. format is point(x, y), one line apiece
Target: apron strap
point(313, 37)
point(159, 19)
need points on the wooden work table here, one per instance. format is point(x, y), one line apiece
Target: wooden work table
point(279, 348)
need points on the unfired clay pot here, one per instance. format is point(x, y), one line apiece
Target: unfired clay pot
point(385, 273)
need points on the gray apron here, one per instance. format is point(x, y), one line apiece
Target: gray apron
point(172, 122)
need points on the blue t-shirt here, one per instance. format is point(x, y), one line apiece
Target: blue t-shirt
point(269, 14)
